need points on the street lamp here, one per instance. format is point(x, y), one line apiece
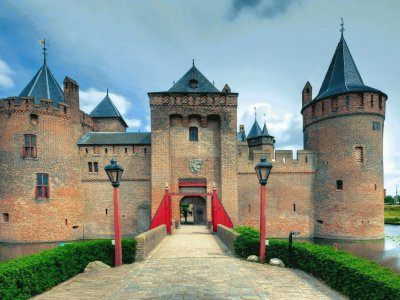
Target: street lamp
point(114, 172)
point(263, 169)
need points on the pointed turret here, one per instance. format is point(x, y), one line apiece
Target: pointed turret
point(342, 75)
point(43, 85)
point(260, 139)
point(105, 116)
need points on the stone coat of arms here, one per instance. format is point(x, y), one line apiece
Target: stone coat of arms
point(195, 165)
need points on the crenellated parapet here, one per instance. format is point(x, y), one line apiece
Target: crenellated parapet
point(193, 100)
point(11, 105)
point(350, 104)
point(284, 161)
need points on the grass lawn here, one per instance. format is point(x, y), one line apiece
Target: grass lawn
point(392, 214)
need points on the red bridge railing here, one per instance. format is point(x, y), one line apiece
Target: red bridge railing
point(164, 213)
point(219, 215)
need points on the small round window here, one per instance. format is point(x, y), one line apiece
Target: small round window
point(193, 83)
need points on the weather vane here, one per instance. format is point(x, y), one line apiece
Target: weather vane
point(255, 113)
point(43, 42)
point(264, 117)
point(341, 26)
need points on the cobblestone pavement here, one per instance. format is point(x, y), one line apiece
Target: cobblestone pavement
point(192, 264)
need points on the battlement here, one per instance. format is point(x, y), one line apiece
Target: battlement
point(283, 162)
point(10, 105)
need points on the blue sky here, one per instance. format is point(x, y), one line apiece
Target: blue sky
point(265, 50)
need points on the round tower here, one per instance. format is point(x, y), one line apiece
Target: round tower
point(40, 184)
point(344, 124)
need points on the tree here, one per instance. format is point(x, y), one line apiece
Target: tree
point(389, 199)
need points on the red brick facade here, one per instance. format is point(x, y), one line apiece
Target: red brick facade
point(332, 189)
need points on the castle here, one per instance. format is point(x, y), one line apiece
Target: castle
point(52, 156)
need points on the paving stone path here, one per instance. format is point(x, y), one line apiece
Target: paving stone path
point(192, 264)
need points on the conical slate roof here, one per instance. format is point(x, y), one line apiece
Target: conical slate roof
point(342, 75)
point(107, 109)
point(43, 85)
point(255, 131)
point(193, 82)
point(265, 130)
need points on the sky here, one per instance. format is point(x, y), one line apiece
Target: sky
point(266, 50)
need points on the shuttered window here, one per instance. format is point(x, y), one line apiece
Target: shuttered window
point(359, 155)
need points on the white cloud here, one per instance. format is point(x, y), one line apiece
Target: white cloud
point(5, 79)
point(90, 98)
point(133, 122)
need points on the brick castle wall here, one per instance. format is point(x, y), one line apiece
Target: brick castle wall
point(134, 191)
point(289, 205)
point(60, 216)
point(356, 211)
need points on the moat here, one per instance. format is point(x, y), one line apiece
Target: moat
point(385, 252)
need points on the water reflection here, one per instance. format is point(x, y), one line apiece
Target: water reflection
point(385, 251)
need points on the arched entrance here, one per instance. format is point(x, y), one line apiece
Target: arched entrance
point(193, 210)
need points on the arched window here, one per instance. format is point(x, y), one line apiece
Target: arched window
point(339, 185)
point(193, 134)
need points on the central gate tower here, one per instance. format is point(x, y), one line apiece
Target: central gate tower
point(193, 135)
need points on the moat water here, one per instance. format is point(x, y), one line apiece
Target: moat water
point(385, 251)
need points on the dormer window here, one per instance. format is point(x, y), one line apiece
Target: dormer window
point(193, 83)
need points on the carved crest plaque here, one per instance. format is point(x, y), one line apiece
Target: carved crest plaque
point(195, 165)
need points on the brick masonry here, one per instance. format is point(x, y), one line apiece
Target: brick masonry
point(147, 241)
point(302, 192)
point(227, 236)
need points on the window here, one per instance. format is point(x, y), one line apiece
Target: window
point(42, 186)
point(376, 126)
point(380, 102)
point(339, 185)
point(306, 160)
point(347, 101)
point(29, 149)
point(93, 167)
point(34, 119)
point(372, 100)
point(323, 107)
point(335, 104)
point(359, 155)
point(193, 134)
point(6, 217)
point(313, 110)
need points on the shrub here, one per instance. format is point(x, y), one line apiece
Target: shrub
point(30, 275)
point(248, 242)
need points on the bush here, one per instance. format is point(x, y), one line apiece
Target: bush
point(30, 275)
point(248, 242)
point(353, 276)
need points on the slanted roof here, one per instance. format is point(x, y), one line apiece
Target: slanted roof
point(107, 109)
point(115, 138)
point(43, 85)
point(342, 75)
point(255, 131)
point(193, 82)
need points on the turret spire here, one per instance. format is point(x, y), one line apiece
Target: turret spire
point(43, 42)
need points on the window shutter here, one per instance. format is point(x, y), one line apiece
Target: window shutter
point(35, 152)
point(23, 151)
point(36, 192)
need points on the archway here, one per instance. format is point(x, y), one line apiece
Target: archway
point(196, 210)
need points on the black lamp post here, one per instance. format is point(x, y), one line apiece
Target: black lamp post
point(263, 169)
point(114, 172)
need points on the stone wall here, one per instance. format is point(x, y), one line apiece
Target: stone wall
point(148, 240)
point(227, 236)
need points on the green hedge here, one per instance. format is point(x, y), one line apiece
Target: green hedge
point(30, 275)
point(350, 275)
